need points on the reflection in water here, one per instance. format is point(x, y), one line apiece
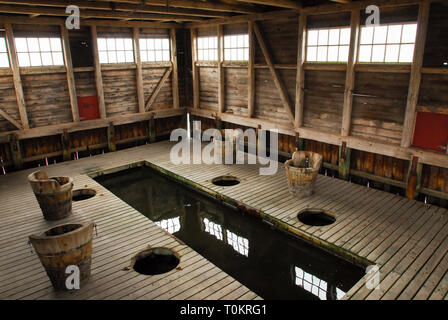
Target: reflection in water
point(279, 266)
point(171, 225)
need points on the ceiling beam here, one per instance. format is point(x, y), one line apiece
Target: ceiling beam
point(104, 5)
point(289, 4)
point(88, 13)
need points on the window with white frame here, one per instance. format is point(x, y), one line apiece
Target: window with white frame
point(393, 43)
point(239, 244)
point(313, 284)
point(154, 49)
point(327, 45)
point(171, 225)
point(4, 61)
point(213, 228)
point(236, 47)
point(39, 51)
point(115, 50)
point(207, 48)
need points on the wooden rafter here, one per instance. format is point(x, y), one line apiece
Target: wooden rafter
point(278, 82)
point(157, 89)
point(129, 7)
point(10, 119)
point(290, 4)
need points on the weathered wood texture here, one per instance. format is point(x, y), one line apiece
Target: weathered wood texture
point(8, 103)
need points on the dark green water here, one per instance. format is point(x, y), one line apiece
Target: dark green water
point(272, 263)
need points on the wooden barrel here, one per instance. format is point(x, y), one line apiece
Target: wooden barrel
point(64, 245)
point(301, 172)
point(54, 194)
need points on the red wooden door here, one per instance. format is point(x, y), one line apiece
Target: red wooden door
point(431, 131)
point(88, 108)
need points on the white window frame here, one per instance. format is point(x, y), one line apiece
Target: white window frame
point(386, 44)
point(111, 50)
point(204, 49)
point(150, 51)
point(327, 45)
point(4, 57)
point(55, 51)
point(234, 50)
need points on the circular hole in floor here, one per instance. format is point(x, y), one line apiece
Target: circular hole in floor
point(225, 181)
point(155, 261)
point(316, 217)
point(83, 194)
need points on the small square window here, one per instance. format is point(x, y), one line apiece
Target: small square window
point(207, 48)
point(39, 51)
point(327, 45)
point(115, 50)
point(236, 47)
point(155, 49)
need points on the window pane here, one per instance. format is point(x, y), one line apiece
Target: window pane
point(142, 44)
point(158, 44)
point(392, 53)
point(21, 45)
point(323, 37)
point(233, 41)
point(200, 43)
point(128, 44)
point(406, 52)
point(46, 58)
point(112, 56)
point(129, 56)
point(345, 36)
point(166, 44)
point(240, 54)
point(246, 54)
point(110, 44)
point(333, 54)
point(343, 54)
point(206, 55)
point(120, 56)
point(102, 46)
point(240, 41)
point(58, 60)
point(35, 59)
point(226, 54)
point(150, 44)
point(364, 53)
point(119, 44)
point(2, 45)
point(246, 41)
point(322, 54)
point(380, 34)
point(378, 53)
point(151, 56)
point(24, 59)
point(333, 37)
point(312, 37)
point(143, 56)
point(366, 35)
point(311, 54)
point(4, 62)
point(226, 41)
point(158, 55)
point(103, 56)
point(33, 46)
point(394, 34)
point(44, 44)
point(166, 55)
point(201, 55)
point(55, 44)
point(409, 33)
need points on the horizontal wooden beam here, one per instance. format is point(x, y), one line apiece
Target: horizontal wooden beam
point(91, 124)
point(106, 5)
point(88, 13)
point(285, 127)
point(290, 4)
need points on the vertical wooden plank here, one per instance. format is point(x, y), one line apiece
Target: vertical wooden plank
point(251, 72)
point(194, 54)
point(111, 137)
point(414, 82)
point(70, 75)
point(138, 71)
point(221, 92)
point(300, 76)
point(152, 129)
point(344, 161)
point(414, 178)
point(98, 76)
point(16, 154)
point(350, 73)
point(14, 63)
point(174, 74)
point(65, 142)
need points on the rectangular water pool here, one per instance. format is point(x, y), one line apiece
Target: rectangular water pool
point(270, 262)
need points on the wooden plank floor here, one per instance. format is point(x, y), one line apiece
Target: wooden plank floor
point(407, 239)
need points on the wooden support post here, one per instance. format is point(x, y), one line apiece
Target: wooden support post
point(152, 130)
point(65, 142)
point(298, 142)
point(175, 74)
point(414, 178)
point(251, 72)
point(218, 123)
point(300, 76)
point(194, 58)
point(278, 83)
point(70, 76)
point(111, 137)
point(16, 154)
point(98, 76)
point(344, 161)
point(415, 78)
point(14, 63)
point(350, 73)
point(221, 84)
point(138, 71)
